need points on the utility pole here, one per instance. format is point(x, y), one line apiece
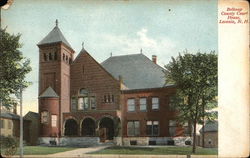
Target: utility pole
point(21, 122)
point(0, 98)
point(0, 127)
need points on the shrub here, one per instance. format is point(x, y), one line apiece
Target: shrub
point(170, 142)
point(188, 142)
point(8, 145)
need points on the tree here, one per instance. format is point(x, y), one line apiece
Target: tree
point(195, 76)
point(13, 68)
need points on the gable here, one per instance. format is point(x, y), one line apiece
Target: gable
point(87, 73)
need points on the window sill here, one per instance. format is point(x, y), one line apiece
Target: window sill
point(131, 111)
point(155, 109)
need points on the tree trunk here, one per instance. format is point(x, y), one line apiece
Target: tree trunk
point(194, 137)
point(203, 126)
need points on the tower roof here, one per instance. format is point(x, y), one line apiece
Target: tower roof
point(54, 36)
point(49, 93)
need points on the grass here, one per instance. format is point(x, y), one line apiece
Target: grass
point(43, 150)
point(156, 151)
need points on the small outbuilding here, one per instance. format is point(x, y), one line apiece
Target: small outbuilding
point(210, 134)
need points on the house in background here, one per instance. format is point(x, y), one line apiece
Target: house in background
point(10, 125)
point(210, 135)
point(123, 100)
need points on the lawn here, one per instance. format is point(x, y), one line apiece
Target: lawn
point(43, 150)
point(172, 150)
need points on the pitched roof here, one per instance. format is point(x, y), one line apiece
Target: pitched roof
point(32, 114)
point(49, 93)
point(54, 36)
point(10, 115)
point(137, 71)
point(210, 127)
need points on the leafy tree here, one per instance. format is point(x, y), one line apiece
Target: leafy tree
point(13, 68)
point(195, 76)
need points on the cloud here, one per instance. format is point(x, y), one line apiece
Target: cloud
point(163, 47)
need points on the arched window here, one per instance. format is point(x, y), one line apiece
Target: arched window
point(109, 99)
point(55, 56)
point(104, 98)
point(63, 57)
point(50, 56)
point(66, 59)
point(45, 57)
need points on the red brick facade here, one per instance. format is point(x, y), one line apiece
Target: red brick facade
point(54, 71)
point(163, 114)
point(92, 102)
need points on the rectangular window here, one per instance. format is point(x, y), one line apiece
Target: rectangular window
point(152, 128)
point(172, 128)
point(80, 104)
point(2, 123)
point(133, 128)
point(171, 104)
point(143, 104)
point(9, 124)
point(54, 120)
point(155, 103)
point(131, 104)
point(92, 103)
point(73, 104)
point(86, 103)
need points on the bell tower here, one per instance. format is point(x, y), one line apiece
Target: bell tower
point(55, 57)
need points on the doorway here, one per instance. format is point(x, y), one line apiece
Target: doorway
point(106, 129)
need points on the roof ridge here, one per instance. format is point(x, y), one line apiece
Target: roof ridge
point(120, 56)
point(127, 55)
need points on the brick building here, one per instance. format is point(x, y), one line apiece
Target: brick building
point(123, 100)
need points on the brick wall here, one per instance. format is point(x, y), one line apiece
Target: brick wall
point(163, 115)
point(52, 106)
point(88, 74)
point(55, 73)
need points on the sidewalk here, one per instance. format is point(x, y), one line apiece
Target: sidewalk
point(67, 154)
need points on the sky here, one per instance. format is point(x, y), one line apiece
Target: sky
point(158, 27)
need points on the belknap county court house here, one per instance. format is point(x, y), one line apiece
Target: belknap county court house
point(123, 100)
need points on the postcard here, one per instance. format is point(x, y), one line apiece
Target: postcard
point(127, 78)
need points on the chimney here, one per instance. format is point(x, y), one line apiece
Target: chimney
point(120, 79)
point(154, 59)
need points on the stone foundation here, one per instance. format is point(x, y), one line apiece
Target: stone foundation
point(69, 141)
point(127, 141)
point(144, 141)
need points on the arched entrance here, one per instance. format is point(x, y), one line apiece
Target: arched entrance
point(106, 129)
point(70, 128)
point(88, 127)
